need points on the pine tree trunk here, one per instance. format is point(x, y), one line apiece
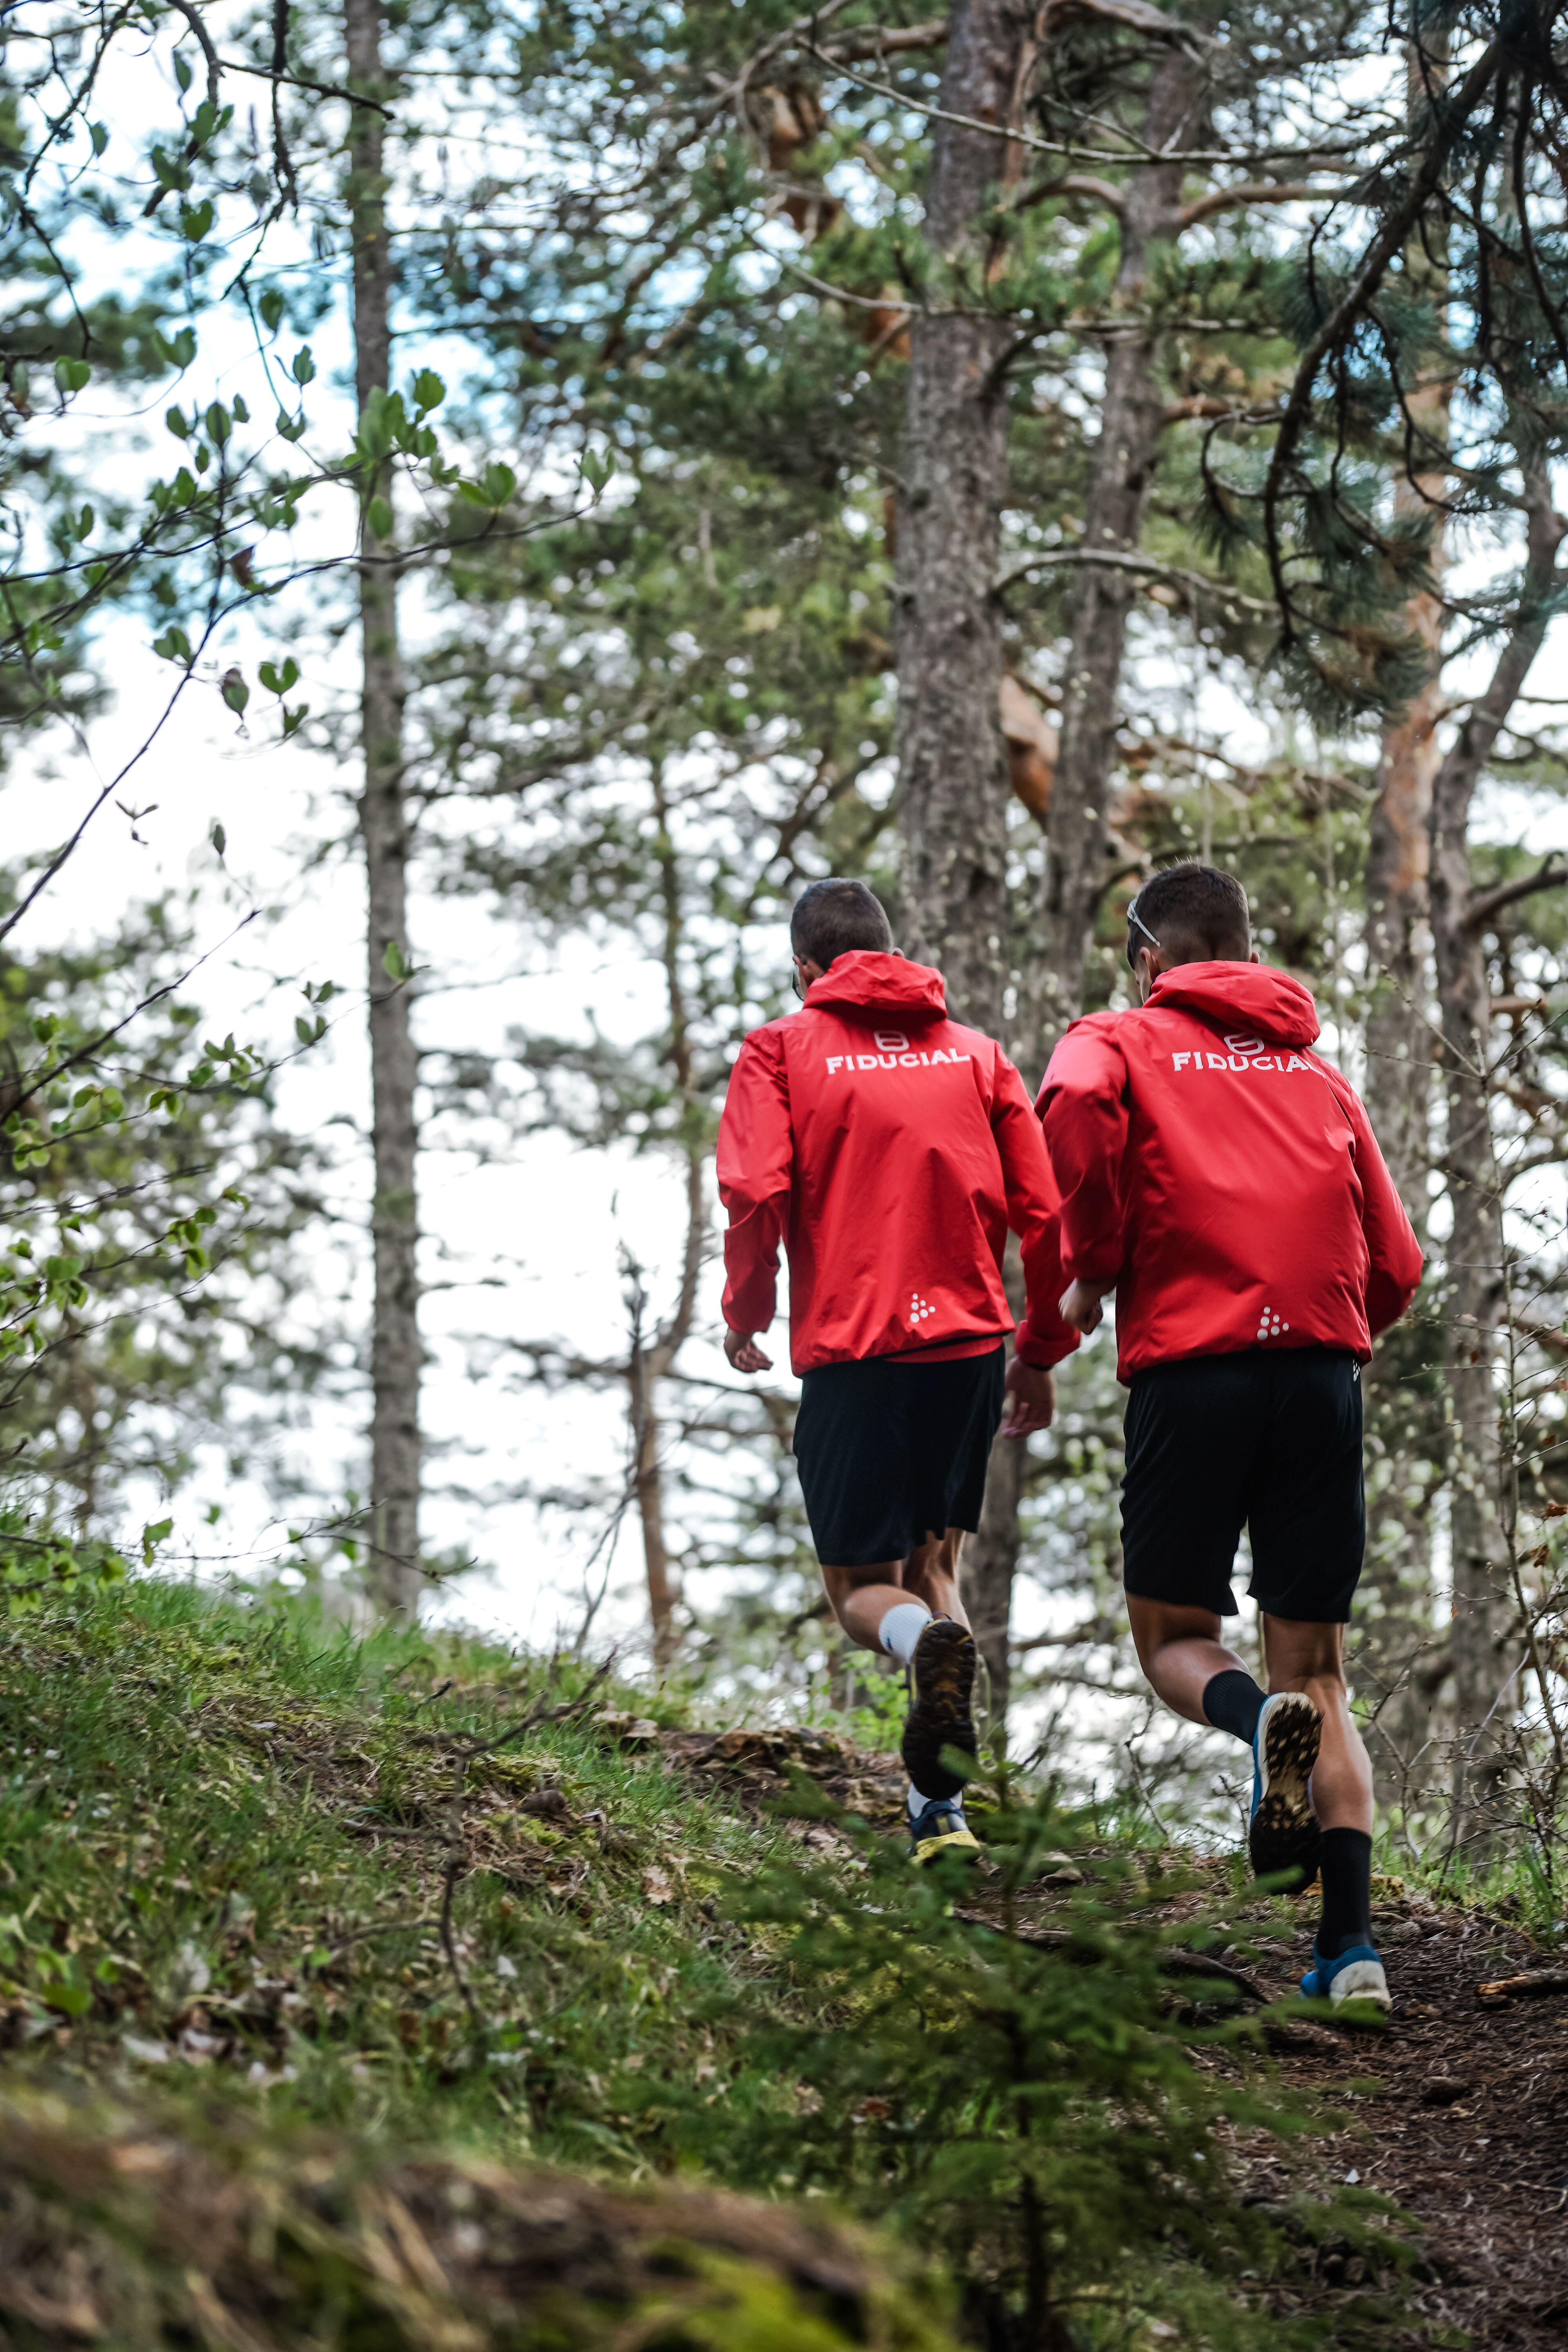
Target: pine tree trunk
point(1401, 1665)
point(1470, 1301)
point(987, 1568)
point(954, 788)
point(653, 1361)
point(1131, 421)
point(393, 1571)
point(1483, 1631)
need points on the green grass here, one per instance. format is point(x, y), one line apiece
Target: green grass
point(253, 1868)
point(233, 1824)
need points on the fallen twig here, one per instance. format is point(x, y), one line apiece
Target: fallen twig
point(1532, 1980)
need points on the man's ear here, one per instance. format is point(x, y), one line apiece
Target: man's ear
point(1256, 956)
point(1148, 971)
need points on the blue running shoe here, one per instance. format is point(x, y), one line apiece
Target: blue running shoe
point(941, 1828)
point(1353, 1975)
point(1282, 1833)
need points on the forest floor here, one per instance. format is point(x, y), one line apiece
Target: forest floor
point(367, 1934)
point(1457, 2110)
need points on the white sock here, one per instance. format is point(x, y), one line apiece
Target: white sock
point(918, 1802)
point(901, 1628)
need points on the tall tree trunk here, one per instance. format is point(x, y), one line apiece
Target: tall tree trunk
point(1401, 1661)
point(1131, 419)
point(1076, 839)
point(652, 1361)
point(1482, 1631)
point(953, 787)
point(394, 1571)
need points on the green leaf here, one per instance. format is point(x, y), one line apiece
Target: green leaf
point(154, 1533)
point(241, 413)
point(173, 645)
point(197, 219)
point(72, 375)
point(218, 836)
point(393, 961)
point(429, 391)
point(304, 367)
point(234, 691)
point(277, 678)
point(271, 308)
point(100, 137)
point(218, 423)
point(380, 518)
point(177, 423)
point(181, 70)
point(500, 483)
point(290, 427)
point(293, 719)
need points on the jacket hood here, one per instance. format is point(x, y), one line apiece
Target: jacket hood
point(870, 982)
point(1280, 1009)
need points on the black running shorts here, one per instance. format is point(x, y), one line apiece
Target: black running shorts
point(890, 1452)
point(1268, 1440)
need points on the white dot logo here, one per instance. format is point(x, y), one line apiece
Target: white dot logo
point(918, 1309)
point(1270, 1324)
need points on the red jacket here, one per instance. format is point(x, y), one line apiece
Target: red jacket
point(1222, 1176)
point(890, 1150)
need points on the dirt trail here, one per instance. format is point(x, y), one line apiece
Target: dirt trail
point(1460, 2109)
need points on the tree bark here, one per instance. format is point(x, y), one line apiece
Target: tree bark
point(1482, 1613)
point(1131, 421)
point(953, 787)
point(988, 1567)
point(393, 1573)
point(954, 781)
point(1400, 1669)
point(650, 1363)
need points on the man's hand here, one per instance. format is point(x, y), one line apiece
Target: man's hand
point(1032, 1399)
point(742, 1349)
point(1081, 1308)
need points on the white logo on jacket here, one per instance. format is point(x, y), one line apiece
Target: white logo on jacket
point(905, 1060)
point(1243, 1054)
point(918, 1309)
point(1270, 1324)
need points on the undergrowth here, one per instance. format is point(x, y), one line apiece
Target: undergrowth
point(411, 1890)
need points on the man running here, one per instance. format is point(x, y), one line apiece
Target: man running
point(1223, 1181)
point(890, 1150)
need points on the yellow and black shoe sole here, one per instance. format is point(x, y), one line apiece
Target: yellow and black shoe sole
point(941, 1709)
point(1283, 1835)
point(960, 1841)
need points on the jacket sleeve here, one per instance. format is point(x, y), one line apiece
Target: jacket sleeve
point(1394, 1273)
point(1034, 1213)
point(1083, 1107)
point(755, 1157)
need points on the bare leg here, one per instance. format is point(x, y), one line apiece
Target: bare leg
point(1310, 1658)
point(861, 1597)
point(1180, 1651)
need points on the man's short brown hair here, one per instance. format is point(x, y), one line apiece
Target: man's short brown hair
point(834, 917)
point(1195, 914)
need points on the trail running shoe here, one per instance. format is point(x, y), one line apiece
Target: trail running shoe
point(941, 1828)
point(941, 1679)
point(1353, 1975)
point(1283, 1835)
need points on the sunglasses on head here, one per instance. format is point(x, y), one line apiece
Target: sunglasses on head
point(1134, 917)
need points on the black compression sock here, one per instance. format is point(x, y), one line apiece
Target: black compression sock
point(1233, 1702)
point(1346, 1868)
